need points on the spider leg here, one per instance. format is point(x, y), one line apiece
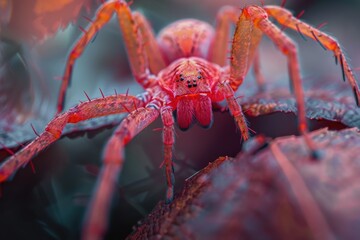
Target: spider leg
point(96, 219)
point(155, 60)
point(168, 141)
point(95, 108)
point(218, 50)
point(285, 18)
point(235, 109)
point(257, 72)
point(287, 46)
point(243, 51)
point(133, 44)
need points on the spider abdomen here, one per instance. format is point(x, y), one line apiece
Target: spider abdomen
point(185, 38)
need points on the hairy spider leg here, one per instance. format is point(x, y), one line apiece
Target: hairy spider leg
point(132, 40)
point(235, 109)
point(259, 19)
point(96, 219)
point(154, 58)
point(218, 50)
point(244, 45)
point(87, 110)
point(285, 18)
point(168, 141)
point(257, 72)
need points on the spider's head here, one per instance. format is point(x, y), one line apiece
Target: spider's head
point(190, 81)
point(187, 76)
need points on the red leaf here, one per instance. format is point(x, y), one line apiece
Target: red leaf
point(275, 193)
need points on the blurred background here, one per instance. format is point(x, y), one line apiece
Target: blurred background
point(36, 37)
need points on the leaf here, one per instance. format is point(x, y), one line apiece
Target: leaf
point(324, 100)
point(272, 192)
point(33, 20)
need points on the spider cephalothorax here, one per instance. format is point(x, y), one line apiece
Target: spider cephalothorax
point(186, 70)
point(191, 82)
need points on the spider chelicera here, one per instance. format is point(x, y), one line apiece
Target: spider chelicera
point(184, 69)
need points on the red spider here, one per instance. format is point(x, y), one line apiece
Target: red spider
point(184, 69)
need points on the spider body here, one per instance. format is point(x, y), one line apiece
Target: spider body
point(186, 69)
point(189, 79)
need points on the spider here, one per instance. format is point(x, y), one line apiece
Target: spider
point(185, 69)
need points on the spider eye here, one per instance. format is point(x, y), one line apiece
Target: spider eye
point(182, 79)
point(199, 77)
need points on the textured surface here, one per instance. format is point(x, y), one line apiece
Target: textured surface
point(275, 192)
point(330, 104)
point(324, 99)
